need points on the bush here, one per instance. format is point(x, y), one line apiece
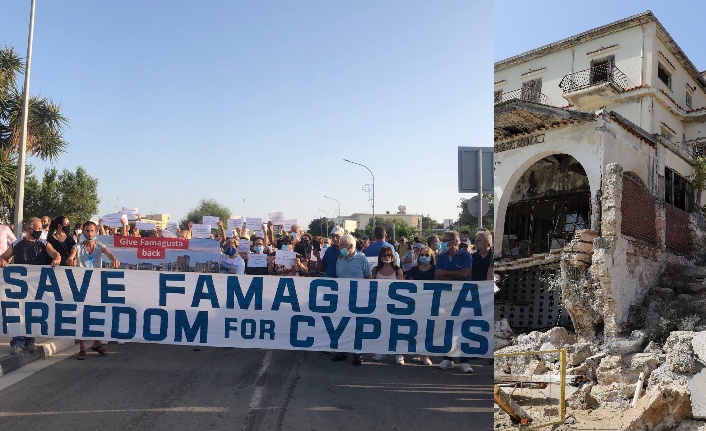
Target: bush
point(678, 316)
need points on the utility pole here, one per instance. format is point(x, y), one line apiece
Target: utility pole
point(20, 192)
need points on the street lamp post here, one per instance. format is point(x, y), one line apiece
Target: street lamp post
point(373, 188)
point(323, 229)
point(338, 221)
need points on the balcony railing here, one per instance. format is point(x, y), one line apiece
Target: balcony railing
point(594, 76)
point(523, 94)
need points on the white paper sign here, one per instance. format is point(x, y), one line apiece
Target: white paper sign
point(253, 223)
point(168, 234)
point(288, 224)
point(172, 227)
point(285, 257)
point(257, 260)
point(243, 246)
point(277, 218)
point(144, 225)
point(113, 220)
point(260, 233)
point(234, 223)
point(130, 212)
point(212, 220)
point(201, 231)
point(372, 260)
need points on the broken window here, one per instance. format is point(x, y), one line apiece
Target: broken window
point(664, 76)
point(688, 100)
point(539, 225)
point(678, 191)
point(602, 70)
point(531, 90)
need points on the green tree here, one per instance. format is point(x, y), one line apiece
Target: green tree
point(72, 194)
point(395, 228)
point(206, 207)
point(320, 226)
point(44, 128)
point(470, 223)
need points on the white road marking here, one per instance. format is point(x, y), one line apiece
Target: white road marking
point(259, 389)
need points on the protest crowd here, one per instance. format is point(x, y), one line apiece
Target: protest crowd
point(267, 250)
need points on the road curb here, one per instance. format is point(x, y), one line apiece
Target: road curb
point(10, 363)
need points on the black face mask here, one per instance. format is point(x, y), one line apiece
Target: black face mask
point(36, 234)
point(67, 230)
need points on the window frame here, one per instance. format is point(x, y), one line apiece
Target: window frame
point(664, 71)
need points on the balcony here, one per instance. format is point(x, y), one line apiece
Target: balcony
point(524, 94)
point(591, 87)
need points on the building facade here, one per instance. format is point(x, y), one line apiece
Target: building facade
point(596, 139)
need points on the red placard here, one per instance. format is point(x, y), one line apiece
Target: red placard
point(150, 242)
point(150, 253)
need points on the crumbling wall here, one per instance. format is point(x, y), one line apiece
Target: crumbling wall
point(626, 267)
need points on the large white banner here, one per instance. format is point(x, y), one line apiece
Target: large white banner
point(320, 314)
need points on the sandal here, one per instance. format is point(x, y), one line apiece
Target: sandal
point(100, 350)
point(81, 355)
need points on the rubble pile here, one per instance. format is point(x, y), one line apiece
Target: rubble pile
point(606, 375)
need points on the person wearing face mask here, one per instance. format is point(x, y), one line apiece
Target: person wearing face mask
point(409, 259)
point(300, 266)
point(46, 222)
point(304, 246)
point(328, 256)
point(423, 270)
point(30, 250)
point(89, 254)
point(61, 239)
point(351, 264)
point(258, 247)
point(231, 262)
point(453, 263)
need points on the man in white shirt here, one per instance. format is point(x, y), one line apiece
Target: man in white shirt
point(6, 238)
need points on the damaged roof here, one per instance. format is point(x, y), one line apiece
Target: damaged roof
point(517, 117)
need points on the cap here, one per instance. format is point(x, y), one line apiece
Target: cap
point(417, 245)
point(337, 231)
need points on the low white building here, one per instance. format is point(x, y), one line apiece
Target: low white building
point(595, 133)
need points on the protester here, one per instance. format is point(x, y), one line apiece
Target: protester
point(373, 249)
point(452, 263)
point(89, 254)
point(259, 249)
point(351, 265)
point(6, 238)
point(424, 270)
point(409, 259)
point(61, 239)
point(433, 243)
point(231, 262)
point(46, 222)
point(328, 256)
point(386, 269)
point(482, 265)
point(30, 250)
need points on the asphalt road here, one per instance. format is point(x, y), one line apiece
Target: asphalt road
point(155, 387)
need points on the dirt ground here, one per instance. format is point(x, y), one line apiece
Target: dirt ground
point(542, 406)
point(602, 419)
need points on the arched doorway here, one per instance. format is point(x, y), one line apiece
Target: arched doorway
point(550, 201)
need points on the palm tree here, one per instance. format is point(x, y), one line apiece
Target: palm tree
point(44, 127)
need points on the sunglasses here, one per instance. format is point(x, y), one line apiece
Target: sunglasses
point(426, 255)
point(386, 255)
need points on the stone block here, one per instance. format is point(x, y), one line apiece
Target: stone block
point(680, 355)
point(697, 387)
point(660, 409)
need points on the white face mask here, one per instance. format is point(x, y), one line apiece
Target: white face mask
point(387, 260)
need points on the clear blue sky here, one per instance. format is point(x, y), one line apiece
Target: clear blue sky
point(173, 101)
point(520, 26)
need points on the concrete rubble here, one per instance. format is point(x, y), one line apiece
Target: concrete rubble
point(606, 374)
